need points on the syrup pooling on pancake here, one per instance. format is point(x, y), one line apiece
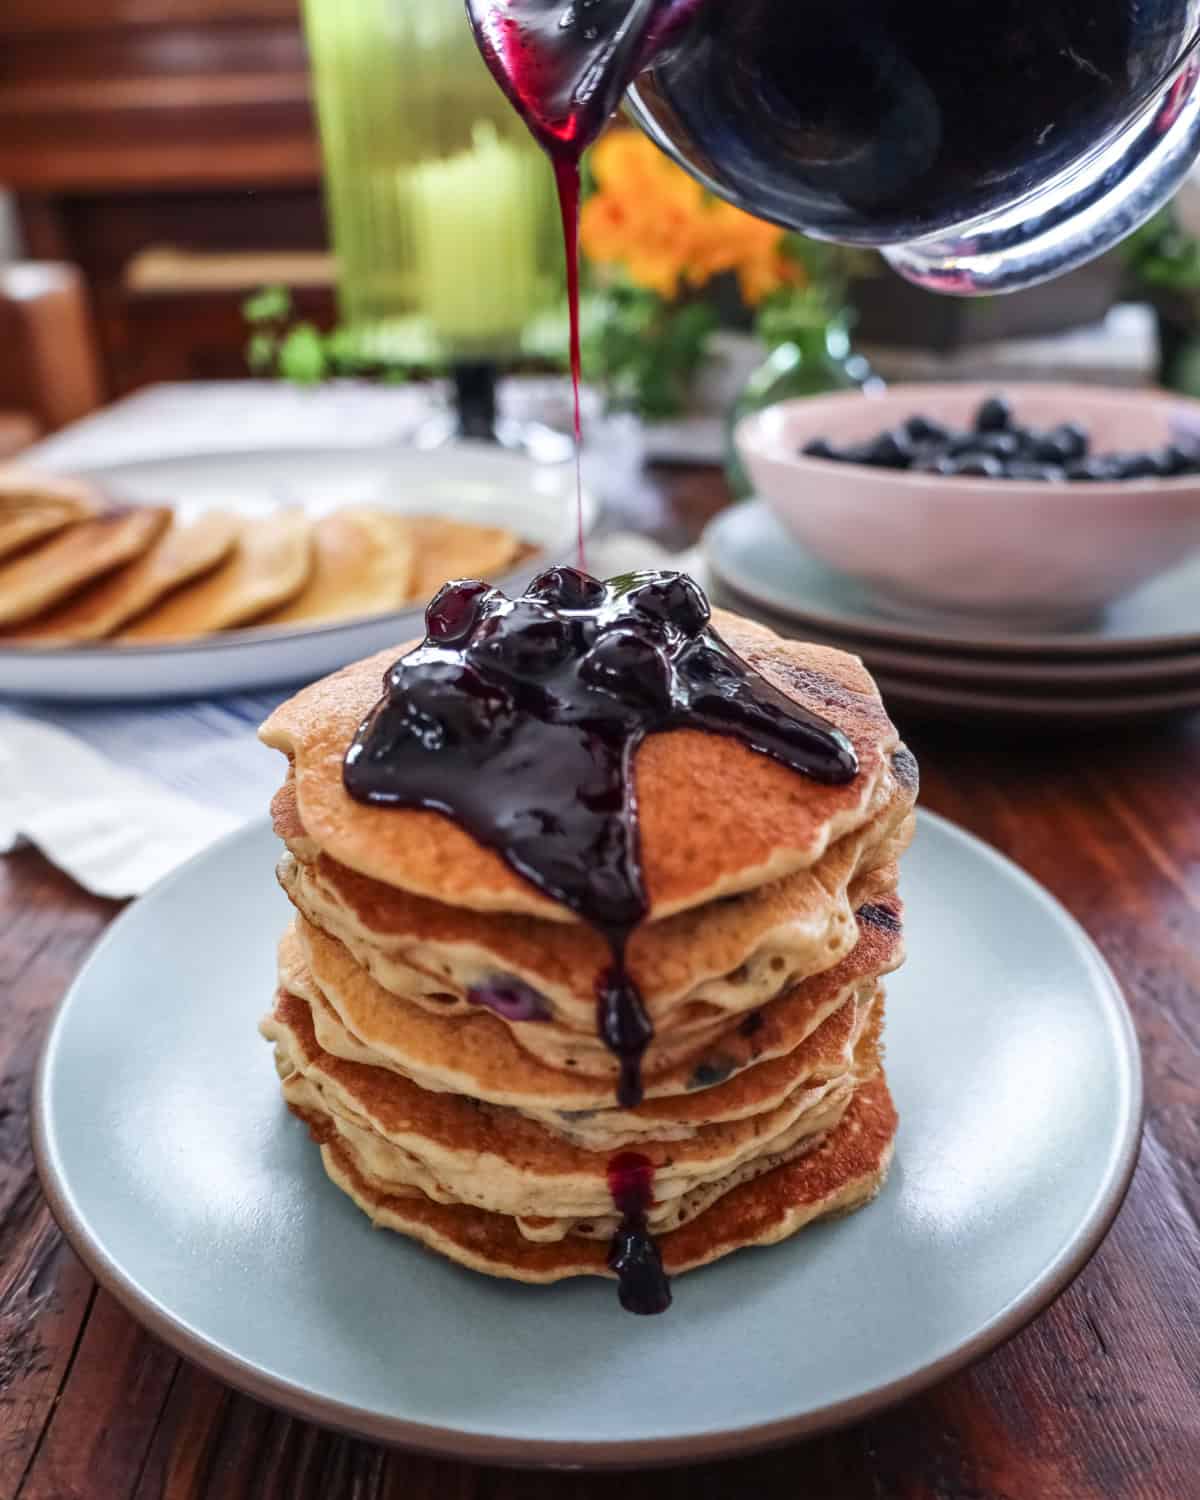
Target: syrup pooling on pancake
point(520, 718)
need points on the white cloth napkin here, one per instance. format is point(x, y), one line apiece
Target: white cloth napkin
point(118, 796)
point(114, 831)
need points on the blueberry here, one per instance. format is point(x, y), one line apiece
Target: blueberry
point(1061, 445)
point(936, 463)
point(673, 598)
point(820, 447)
point(994, 415)
point(628, 665)
point(511, 998)
point(891, 450)
point(566, 588)
point(922, 429)
point(1037, 473)
point(1071, 439)
point(978, 466)
point(960, 443)
point(1179, 458)
point(529, 640)
point(1135, 466)
point(456, 609)
point(1004, 445)
point(1027, 440)
point(1092, 470)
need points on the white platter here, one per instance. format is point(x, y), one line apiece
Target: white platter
point(467, 481)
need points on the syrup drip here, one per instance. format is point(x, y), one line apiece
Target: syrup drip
point(642, 1284)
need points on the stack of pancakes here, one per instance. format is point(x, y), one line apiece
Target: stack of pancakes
point(435, 1021)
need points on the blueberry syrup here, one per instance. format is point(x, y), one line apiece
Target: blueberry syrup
point(642, 1283)
point(564, 65)
point(566, 176)
point(520, 720)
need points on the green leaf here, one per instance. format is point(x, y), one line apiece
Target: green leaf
point(261, 349)
point(270, 304)
point(302, 356)
point(1162, 255)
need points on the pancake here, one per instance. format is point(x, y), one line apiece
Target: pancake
point(715, 817)
point(35, 506)
point(185, 551)
point(842, 1173)
point(23, 528)
point(35, 580)
point(491, 1156)
point(807, 1035)
point(817, 1111)
point(729, 957)
point(363, 564)
point(485, 1057)
point(269, 564)
point(389, 1170)
point(23, 489)
point(443, 549)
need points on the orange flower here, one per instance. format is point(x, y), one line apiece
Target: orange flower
point(653, 220)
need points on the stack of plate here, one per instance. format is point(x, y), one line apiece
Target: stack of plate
point(1139, 660)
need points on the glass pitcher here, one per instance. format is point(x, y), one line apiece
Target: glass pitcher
point(983, 145)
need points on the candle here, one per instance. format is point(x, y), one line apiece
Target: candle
point(475, 217)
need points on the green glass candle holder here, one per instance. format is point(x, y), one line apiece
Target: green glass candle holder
point(442, 209)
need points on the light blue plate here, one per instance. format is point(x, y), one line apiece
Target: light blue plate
point(171, 1164)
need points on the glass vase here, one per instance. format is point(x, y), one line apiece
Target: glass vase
point(812, 361)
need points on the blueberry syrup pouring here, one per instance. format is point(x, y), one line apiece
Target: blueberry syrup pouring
point(520, 719)
point(564, 65)
point(642, 1283)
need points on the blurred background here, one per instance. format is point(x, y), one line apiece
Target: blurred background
point(203, 189)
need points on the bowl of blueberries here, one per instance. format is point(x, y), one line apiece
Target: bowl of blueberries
point(1040, 505)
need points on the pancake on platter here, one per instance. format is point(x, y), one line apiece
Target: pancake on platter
point(23, 489)
point(33, 507)
point(270, 563)
point(695, 847)
point(443, 548)
point(363, 564)
point(186, 550)
point(34, 581)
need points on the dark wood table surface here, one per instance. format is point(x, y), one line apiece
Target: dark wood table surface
point(1099, 1399)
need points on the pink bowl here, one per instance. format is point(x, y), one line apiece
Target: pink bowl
point(996, 547)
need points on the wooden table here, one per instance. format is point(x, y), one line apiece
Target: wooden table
point(1097, 1400)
